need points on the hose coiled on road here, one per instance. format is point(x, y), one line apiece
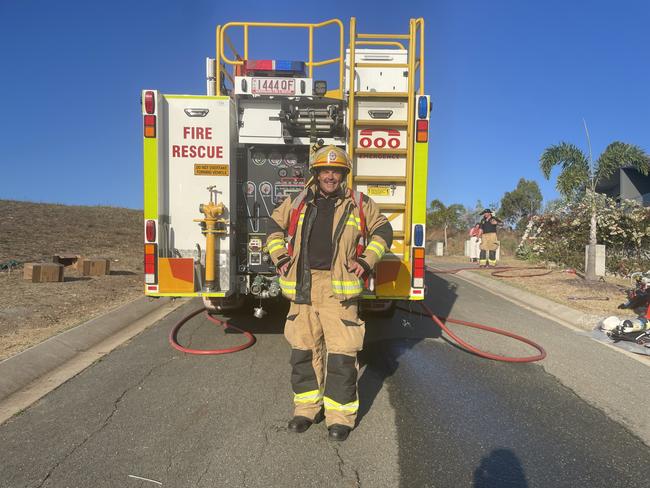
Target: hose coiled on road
point(173, 340)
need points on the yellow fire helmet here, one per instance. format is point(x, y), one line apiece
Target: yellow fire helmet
point(330, 157)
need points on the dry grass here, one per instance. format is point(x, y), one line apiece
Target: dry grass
point(33, 312)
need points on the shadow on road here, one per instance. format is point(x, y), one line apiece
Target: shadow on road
point(389, 339)
point(272, 322)
point(500, 469)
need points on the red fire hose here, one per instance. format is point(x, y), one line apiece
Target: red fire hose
point(499, 270)
point(437, 320)
point(478, 352)
point(174, 332)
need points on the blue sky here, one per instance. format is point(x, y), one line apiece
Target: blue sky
point(507, 78)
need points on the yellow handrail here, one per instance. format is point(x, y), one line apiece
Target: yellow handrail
point(221, 36)
point(420, 22)
point(381, 43)
point(217, 63)
point(409, 140)
point(383, 36)
point(351, 114)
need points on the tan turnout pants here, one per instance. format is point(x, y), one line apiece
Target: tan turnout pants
point(489, 245)
point(325, 337)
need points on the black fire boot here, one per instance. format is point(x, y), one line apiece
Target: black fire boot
point(300, 424)
point(338, 432)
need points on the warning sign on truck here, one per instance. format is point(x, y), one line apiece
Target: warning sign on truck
point(378, 190)
point(211, 169)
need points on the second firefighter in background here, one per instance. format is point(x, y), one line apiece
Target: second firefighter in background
point(322, 270)
point(489, 241)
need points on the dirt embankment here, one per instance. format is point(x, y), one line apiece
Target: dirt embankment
point(33, 312)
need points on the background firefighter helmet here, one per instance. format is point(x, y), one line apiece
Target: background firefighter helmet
point(330, 157)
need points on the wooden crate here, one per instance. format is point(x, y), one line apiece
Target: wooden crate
point(43, 272)
point(95, 266)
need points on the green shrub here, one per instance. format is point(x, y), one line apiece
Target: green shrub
point(561, 236)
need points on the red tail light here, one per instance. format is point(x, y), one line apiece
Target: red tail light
point(150, 272)
point(422, 131)
point(150, 126)
point(149, 264)
point(418, 267)
point(149, 102)
point(150, 230)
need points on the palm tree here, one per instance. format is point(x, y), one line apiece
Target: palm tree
point(439, 215)
point(579, 176)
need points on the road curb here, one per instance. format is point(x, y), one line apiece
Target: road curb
point(19, 371)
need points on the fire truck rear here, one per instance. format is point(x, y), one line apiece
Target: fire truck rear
point(216, 165)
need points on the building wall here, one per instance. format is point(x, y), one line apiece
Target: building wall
point(634, 186)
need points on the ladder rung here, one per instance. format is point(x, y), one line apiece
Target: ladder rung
point(381, 123)
point(391, 206)
point(383, 36)
point(363, 150)
point(381, 65)
point(398, 234)
point(362, 94)
point(380, 179)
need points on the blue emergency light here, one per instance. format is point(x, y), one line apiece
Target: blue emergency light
point(418, 235)
point(423, 107)
point(293, 66)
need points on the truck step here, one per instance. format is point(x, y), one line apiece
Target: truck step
point(363, 150)
point(379, 179)
point(381, 65)
point(381, 123)
point(389, 207)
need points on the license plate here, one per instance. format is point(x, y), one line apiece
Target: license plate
point(273, 86)
point(378, 191)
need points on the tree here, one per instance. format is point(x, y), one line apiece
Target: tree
point(580, 174)
point(439, 215)
point(524, 201)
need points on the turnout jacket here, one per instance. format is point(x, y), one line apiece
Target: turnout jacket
point(346, 234)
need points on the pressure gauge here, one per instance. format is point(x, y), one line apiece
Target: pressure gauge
point(290, 159)
point(259, 158)
point(275, 158)
point(265, 188)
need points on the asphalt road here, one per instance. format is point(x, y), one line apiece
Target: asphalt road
point(431, 414)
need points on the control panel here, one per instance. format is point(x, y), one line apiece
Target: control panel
point(268, 174)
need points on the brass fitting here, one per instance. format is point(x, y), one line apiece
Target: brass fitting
point(212, 211)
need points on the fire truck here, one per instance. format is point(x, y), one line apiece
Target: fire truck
point(216, 165)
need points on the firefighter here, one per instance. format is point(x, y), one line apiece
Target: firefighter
point(489, 242)
point(335, 237)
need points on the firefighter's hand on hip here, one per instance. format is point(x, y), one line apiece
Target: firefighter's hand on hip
point(356, 268)
point(282, 270)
